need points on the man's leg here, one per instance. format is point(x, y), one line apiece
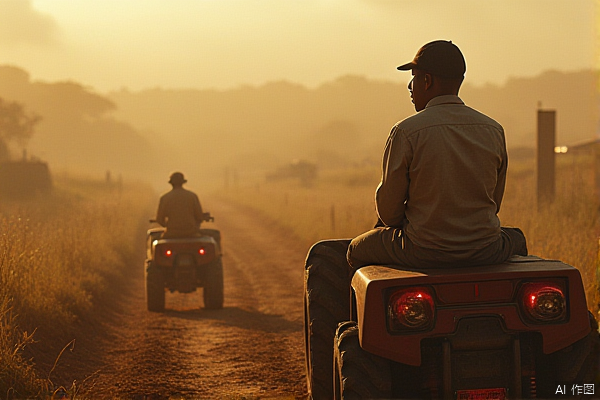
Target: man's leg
point(514, 241)
point(380, 246)
point(511, 242)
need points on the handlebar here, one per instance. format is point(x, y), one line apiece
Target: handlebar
point(205, 217)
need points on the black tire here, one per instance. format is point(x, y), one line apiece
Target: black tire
point(326, 304)
point(214, 233)
point(358, 374)
point(578, 364)
point(213, 285)
point(155, 289)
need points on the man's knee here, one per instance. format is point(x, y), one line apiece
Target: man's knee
point(517, 241)
point(353, 262)
point(368, 248)
point(335, 250)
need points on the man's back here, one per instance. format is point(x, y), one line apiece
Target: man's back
point(180, 211)
point(444, 173)
point(450, 161)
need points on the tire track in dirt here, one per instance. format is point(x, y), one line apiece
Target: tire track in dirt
point(252, 348)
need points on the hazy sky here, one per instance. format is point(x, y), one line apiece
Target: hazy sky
point(138, 44)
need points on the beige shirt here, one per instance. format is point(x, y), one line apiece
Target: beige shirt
point(180, 211)
point(444, 172)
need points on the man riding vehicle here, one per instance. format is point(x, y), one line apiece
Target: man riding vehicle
point(179, 210)
point(443, 178)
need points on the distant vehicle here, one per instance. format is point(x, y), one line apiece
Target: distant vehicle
point(24, 179)
point(304, 171)
point(183, 265)
point(521, 329)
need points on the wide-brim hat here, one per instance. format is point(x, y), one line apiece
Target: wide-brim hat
point(177, 178)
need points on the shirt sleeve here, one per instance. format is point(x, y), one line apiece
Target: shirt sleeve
point(161, 216)
point(392, 192)
point(198, 213)
point(501, 180)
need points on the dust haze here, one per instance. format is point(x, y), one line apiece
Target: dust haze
point(233, 93)
point(251, 130)
point(236, 90)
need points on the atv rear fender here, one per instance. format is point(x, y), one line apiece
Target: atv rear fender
point(466, 292)
point(204, 250)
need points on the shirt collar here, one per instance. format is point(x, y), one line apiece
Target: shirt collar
point(445, 99)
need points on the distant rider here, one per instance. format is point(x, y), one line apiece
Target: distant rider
point(179, 210)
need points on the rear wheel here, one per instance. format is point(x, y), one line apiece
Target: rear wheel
point(576, 365)
point(155, 289)
point(213, 285)
point(214, 233)
point(358, 374)
point(326, 304)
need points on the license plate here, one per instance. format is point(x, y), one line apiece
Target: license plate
point(481, 394)
point(185, 261)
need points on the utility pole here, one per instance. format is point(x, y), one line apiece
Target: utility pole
point(546, 140)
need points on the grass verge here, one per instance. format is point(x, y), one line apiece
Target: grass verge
point(59, 256)
point(340, 204)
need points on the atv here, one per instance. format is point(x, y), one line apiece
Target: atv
point(520, 329)
point(183, 265)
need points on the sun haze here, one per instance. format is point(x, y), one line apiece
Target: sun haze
point(223, 44)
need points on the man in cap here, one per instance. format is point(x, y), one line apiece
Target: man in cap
point(443, 178)
point(179, 210)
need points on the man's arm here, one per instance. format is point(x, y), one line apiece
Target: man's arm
point(198, 213)
point(161, 216)
point(392, 192)
point(501, 182)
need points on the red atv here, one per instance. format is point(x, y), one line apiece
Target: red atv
point(521, 329)
point(183, 265)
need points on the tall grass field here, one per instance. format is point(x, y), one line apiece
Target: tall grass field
point(59, 256)
point(340, 204)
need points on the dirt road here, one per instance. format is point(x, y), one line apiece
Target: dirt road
point(253, 348)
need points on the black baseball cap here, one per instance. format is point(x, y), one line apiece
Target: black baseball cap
point(440, 57)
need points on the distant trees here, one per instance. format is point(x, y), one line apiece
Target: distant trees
point(16, 126)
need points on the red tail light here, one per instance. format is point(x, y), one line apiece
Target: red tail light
point(411, 309)
point(168, 252)
point(201, 251)
point(544, 301)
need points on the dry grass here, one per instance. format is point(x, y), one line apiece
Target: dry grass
point(569, 228)
point(341, 204)
point(57, 256)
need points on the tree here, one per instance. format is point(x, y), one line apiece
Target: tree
point(16, 126)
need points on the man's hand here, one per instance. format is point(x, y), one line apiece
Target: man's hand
point(379, 223)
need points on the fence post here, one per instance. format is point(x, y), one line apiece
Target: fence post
point(546, 132)
point(597, 285)
point(332, 215)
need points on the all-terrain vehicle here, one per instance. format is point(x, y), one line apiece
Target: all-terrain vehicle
point(520, 329)
point(183, 265)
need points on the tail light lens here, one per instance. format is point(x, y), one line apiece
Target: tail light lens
point(544, 301)
point(201, 251)
point(168, 252)
point(411, 309)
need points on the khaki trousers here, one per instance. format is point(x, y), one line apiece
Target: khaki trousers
point(386, 245)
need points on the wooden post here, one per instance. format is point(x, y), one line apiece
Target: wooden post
point(596, 155)
point(546, 131)
point(332, 215)
point(597, 279)
point(226, 176)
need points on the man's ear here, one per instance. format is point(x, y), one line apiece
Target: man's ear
point(428, 81)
